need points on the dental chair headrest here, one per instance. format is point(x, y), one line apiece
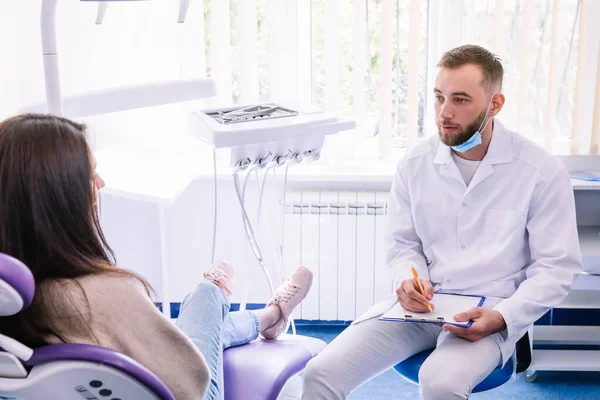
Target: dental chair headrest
point(17, 286)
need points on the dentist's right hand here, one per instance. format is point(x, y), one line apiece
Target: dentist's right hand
point(411, 299)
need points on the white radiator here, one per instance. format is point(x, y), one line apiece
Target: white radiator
point(340, 237)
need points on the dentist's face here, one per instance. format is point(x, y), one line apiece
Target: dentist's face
point(461, 103)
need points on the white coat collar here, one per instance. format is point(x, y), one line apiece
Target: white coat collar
point(499, 151)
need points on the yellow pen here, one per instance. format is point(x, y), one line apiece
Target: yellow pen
point(416, 276)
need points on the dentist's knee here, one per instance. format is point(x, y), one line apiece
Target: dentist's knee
point(320, 380)
point(314, 374)
point(438, 384)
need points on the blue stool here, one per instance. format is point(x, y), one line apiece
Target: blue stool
point(409, 368)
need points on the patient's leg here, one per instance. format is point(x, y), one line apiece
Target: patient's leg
point(240, 327)
point(201, 318)
point(272, 321)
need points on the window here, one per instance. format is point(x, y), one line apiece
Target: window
point(523, 37)
point(372, 60)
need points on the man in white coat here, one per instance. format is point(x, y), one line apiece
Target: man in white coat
point(476, 209)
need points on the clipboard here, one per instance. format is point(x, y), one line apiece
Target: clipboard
point(446, 306)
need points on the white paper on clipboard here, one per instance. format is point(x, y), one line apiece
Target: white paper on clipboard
point(446, 306)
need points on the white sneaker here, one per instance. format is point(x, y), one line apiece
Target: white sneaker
point(287, 297)
point(221, 274)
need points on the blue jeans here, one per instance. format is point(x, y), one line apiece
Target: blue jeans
point(205, 318)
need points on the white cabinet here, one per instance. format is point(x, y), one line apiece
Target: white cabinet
point(585, 292)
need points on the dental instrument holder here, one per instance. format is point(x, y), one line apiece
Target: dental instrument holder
point(262, 134)
point(266, 132)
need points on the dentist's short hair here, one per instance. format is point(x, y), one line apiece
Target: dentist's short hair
point(489, 63)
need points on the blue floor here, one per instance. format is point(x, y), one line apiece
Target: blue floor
point(547, 386)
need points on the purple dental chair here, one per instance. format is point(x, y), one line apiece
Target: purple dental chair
point(256, 371)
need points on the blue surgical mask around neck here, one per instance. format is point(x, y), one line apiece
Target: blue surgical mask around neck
point(475, 140)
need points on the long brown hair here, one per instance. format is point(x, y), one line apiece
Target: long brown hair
point(48, 213)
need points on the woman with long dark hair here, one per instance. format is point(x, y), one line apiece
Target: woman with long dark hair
point(49, 221)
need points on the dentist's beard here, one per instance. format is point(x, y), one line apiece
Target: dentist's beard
point(461, 135)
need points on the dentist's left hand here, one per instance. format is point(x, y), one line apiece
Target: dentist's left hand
point(485, 322)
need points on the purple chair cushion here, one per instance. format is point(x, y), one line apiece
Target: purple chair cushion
point(17, 275)
point(260, 369)
point(97, 354)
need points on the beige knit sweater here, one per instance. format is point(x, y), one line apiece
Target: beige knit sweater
point(122, 317)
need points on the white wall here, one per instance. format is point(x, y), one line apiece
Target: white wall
point(131, 228)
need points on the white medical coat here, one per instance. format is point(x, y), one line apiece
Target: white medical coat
point(511, 235)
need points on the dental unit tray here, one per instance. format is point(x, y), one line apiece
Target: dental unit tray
point(259, 131)
point(252, 113)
